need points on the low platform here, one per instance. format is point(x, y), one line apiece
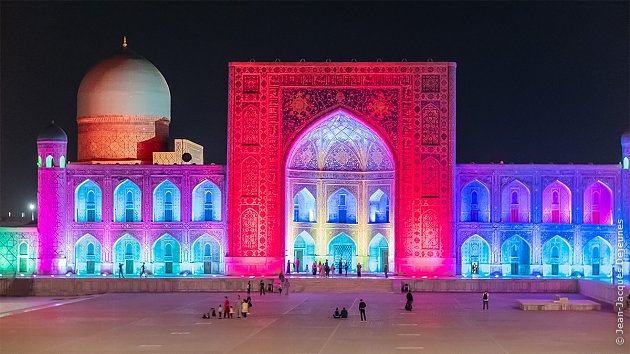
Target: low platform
point(557, 305)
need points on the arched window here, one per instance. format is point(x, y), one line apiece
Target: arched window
point(379, 207)
point(91, 207)
point(168, 206)
point(49, 161)
point(87, 201)
point(166, 203)
point(168, 250)
point(514, 197)
point(207, 251)
point(207, 206)
point(475, 202)
point(598, 204)
point(596, 254)
point(626, 163)
point(23, 258)
point(304, 206)
point(90, 249)
point(515, 203)
point(39, 161)
point(342, 207)
point(206, 202)
point(556, 203)
point(62, 161)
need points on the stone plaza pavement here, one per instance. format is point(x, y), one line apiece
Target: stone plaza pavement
point(302, 323)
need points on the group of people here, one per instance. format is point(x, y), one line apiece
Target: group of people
point(344, 313)
point(328, 270)
point(226, 310)
point(121, 273)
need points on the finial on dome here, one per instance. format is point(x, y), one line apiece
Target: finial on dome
point(124, 41)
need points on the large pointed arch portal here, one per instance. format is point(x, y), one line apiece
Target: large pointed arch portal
point(409, 107)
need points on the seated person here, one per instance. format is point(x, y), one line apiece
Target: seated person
point(344, 313)
point(336, 314)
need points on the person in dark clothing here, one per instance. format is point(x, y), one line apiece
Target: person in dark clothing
point(408, 305)
point(336, 314)
point(288, 266)
point(142, 270)
point(344, 313)
point(327, 269)
point(120, 271)
point(340, 267)
point(385, 269)
point(262, 287)
point(346, 268)
point(249, 287)
point(485, 300)
point(362, 307)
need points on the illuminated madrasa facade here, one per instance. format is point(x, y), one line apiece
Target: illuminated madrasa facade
point(326, 161)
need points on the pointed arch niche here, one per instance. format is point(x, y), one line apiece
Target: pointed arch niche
point(339, 171)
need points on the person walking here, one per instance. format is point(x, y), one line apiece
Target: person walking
point(142, 270)
point(362, 307)
point(409, 304)
point(249, 287)
point(486, 297)
point(120, 271)
point(226, 307)
point(385, 269)
point(239, 306)
point(286, 286)
point(262, 287)
point(359, 270)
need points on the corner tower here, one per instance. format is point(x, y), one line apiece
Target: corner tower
point(625, 201)
point(51, 197)
point(123, 110)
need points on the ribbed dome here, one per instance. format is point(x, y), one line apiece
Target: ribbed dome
point(52, 132)
point(124, 84)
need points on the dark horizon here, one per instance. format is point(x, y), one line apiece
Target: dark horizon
point(536, 82)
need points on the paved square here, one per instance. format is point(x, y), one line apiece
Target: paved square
point(302, 323)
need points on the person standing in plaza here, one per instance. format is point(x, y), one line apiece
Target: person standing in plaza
point(120, 271)
point(332, 270)
point(239, 306)
point(327, 269)
point(220, 311)
point(249, 287)
point(346, 266)
point(288, 266)
point(385, 269)
point(297, 265)
point(226, 307)
point(362, 307)
point(286, 286)
point(486, 298)
point(142, 270)
point(262, 287)
point(314, 270)
point(340, 266)
point(244, 309)
point(409, 304)
point(359, 270)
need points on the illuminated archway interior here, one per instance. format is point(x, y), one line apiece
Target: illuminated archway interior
point(340, 183)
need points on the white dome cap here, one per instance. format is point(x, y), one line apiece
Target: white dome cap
point(124, 84)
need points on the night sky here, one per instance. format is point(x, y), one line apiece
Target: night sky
point(536, 82)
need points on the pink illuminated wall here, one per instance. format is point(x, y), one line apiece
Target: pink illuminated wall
point(410, 105)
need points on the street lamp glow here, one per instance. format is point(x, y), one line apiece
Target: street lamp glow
point(31, 206)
